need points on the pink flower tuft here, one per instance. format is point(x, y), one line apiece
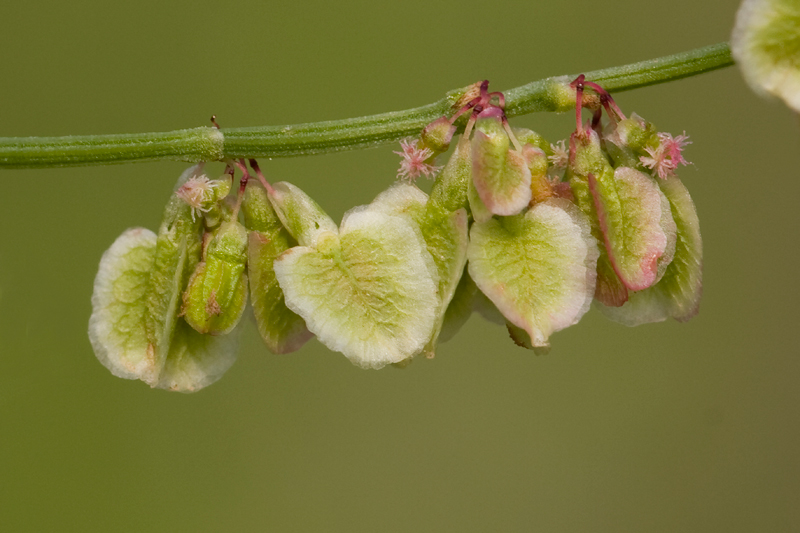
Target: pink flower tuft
point(195, 192)
point(560, 157)
point(664, 159)
point(415, 161)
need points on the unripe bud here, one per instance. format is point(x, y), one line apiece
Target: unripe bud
point(437, 135)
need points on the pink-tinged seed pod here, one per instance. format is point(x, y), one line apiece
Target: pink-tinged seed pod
point(500, 173)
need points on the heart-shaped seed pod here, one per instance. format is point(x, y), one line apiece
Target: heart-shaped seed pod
point(538, 268)
point(365, 290)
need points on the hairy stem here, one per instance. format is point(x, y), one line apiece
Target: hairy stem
point(211, 144)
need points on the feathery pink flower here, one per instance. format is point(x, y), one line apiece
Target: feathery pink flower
point(665, 158)
point(195, 192)
point(414, 163)
point(560, 157)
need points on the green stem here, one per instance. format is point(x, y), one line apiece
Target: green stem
point(210, 144)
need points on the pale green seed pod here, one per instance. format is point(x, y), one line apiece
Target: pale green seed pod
point(282, 330)
point(135, 329)
point(302, 217)
point(628, 217)
point(365, 290)
point(765, 45)
point(538, 268)
point(216, 295)
point(677, 294)
point(445, 234)
point(177, 252)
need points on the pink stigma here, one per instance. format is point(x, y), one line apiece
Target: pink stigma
point(414, 163)
point(194, 192)
point(664, 159)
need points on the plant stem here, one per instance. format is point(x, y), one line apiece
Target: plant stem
point(211, 144)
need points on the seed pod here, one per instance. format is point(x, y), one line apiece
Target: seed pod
point(282, 330)
point(302, 217)
point(445, 235)
point(217, 293)
point(678, 293)
point(628, 207)
point(764, 44)
point(538, 268)
point(365, 290)
point(501, 176)
point(625, 209)
point(134, 328)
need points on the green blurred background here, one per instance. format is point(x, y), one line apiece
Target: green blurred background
point(666, 427)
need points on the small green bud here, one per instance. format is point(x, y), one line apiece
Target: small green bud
point(437, 135)
point(217, 293)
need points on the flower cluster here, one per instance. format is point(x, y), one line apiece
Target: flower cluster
point(524, 231)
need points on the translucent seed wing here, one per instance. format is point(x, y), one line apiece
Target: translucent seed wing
point(537, 268)
point(406, 200)
point(401, 199)
point(480, 213)
point(196, 360)
point(282, 330)
point(460, 308)
point(670, 230)
point(447, 238)
point(765, 46)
